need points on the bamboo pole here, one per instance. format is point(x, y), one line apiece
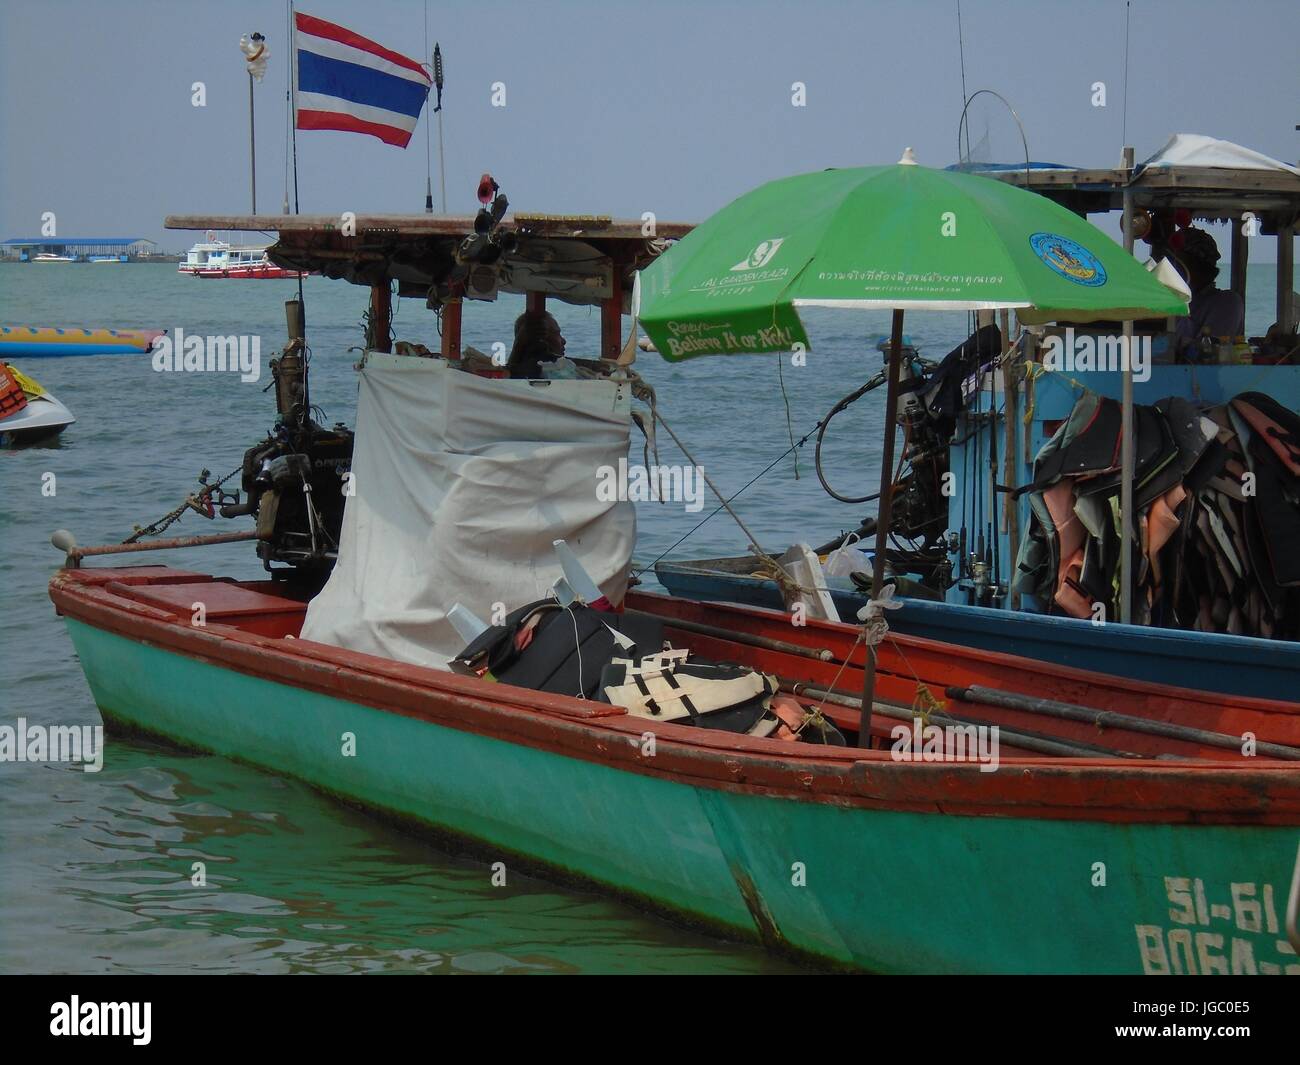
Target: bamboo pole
point(75, 554)
point(1103, 719)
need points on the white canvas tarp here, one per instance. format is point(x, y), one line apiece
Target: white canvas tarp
point(462, 484)
point(1196, 149)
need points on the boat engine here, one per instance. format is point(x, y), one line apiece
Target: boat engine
point(295, 483)
point(919, 514)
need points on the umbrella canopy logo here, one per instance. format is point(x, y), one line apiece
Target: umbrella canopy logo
point(1069, 258)
point(763, 254)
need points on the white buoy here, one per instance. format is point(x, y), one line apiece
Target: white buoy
point(67, 543)
point(63, 540)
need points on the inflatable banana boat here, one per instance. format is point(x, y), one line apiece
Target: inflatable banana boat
point(46, 341)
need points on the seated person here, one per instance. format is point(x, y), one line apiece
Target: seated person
point(537, 340)
point(1213, 312)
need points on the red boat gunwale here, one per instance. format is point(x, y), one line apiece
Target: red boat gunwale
point(1267, 792)
point(902, 655)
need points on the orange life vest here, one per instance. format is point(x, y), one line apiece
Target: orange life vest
point(12, 397)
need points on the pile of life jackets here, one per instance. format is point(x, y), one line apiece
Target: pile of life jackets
point(1217, 499)
point(621, 659)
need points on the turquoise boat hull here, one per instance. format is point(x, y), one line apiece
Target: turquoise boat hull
point(885, 890)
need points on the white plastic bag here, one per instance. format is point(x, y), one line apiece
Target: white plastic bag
point(846, 560)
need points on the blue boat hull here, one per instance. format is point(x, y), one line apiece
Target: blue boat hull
point(1234, 665)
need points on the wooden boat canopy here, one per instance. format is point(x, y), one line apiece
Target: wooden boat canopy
point(580, 259)
point(587, 260)
point(1210, 193)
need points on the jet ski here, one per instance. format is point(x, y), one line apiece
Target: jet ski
point(28, 412)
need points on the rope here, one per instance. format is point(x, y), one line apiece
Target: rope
point(638, 384)
point(717, 510)
point(763, 556)
point(769, 565)
point(924, 702)
point(789, 425)
point(773, 569)
point(577, 642)
point(838, 673)
point(646, 393)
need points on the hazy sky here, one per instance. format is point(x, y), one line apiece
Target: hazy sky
point(611, 106)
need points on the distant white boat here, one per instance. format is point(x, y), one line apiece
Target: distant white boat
point(48, 257)
point(217, 258)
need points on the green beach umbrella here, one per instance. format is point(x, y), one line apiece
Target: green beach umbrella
point(896, 238)
point(902, 237)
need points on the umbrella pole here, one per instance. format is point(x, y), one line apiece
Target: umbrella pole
point(1127, 443)
point(883, 515)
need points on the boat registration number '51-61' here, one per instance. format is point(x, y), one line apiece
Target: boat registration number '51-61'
point(1205, 937)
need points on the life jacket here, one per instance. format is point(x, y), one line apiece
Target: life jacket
point(550, 648)
point(12, 397)
point(669, 687)
point(621, 659)
point(1210, 554)
point(1279, 427)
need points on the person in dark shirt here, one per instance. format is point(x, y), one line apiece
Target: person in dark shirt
point(1213, 312)
point(537, 340)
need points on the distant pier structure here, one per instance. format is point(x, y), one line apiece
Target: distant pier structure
point(77, 249)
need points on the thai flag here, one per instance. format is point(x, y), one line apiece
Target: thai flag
point(347, 82)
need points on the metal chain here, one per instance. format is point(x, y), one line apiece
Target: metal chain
point(192, 502)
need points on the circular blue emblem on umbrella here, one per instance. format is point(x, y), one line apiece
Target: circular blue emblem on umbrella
point(1069, 258)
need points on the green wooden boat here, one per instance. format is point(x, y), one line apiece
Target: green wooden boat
point(1168, 854)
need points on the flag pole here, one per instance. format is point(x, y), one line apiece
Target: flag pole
point(293, 134)
point(428, 136)
point(253, 45)
point(252, 143)
point(293, 109)
point(288, 101)
point(442, 158)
